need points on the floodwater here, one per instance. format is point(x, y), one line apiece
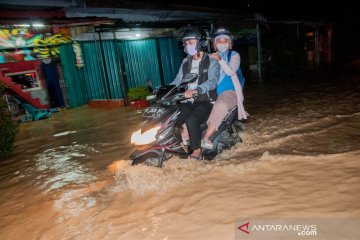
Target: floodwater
point(70, 177)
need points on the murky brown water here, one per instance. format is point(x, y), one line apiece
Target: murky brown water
point(69, 177)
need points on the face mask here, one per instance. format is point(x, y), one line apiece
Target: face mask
point(190, 50)
point(223, 47)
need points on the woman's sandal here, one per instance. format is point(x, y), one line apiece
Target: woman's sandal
point(206, 144)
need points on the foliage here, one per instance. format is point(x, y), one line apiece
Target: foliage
point(138, 93)
point(8, 128)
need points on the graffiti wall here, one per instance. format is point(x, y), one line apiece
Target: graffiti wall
point(25, 45)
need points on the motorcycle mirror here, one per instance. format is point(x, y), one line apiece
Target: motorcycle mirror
point(189, 78)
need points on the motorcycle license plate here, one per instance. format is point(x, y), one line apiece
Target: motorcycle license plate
point(152, 111)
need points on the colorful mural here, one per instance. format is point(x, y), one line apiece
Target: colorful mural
point(23, 45)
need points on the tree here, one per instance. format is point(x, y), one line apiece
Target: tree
point(8, 128)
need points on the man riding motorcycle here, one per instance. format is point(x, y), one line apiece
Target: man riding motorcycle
point(196, 111)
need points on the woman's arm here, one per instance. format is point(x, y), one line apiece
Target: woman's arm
point(231, 67)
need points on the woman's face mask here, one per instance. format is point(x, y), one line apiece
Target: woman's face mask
point(223, 47)
point(190, 49)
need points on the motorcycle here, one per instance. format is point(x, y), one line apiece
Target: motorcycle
point(159, 139)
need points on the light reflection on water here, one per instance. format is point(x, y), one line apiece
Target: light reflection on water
point(62, 165)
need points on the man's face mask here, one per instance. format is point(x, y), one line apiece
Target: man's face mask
point(190, 47)
point(223, 47)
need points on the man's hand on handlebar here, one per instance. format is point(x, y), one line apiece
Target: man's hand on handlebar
point(190, 93)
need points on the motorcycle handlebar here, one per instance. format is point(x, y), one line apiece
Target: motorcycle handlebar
point(181, 96)
point(176, 98)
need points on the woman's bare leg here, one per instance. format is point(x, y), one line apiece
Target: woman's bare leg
point(210, 131)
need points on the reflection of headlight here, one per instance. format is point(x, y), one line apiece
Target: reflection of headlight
point(145, 138)
point(163, 134)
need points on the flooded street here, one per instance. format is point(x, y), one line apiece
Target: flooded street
point(70, 175)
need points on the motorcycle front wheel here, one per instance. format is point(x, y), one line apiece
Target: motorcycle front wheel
point(153, 158)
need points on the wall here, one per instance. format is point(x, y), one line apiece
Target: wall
point(112, 67)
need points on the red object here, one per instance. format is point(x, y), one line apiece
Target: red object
point(18, 66)
point(18, 56)
point(139, 104)
point(106, 103)
point(16, 88)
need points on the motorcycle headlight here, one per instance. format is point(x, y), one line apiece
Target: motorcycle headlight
point(144, 138)
point(164, 133)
